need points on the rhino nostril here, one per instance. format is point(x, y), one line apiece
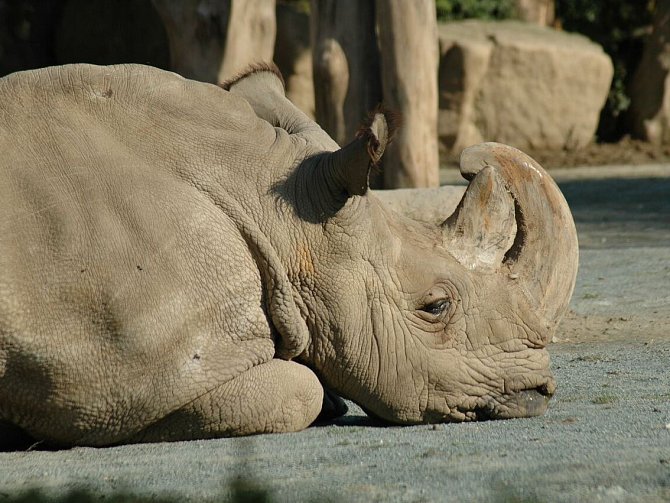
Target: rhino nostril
point(485, 413)
point(547, 389)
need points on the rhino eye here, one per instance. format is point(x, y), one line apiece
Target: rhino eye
point(436, 308)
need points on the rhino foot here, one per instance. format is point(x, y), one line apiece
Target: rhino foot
point(332, 408)
point(273, 397)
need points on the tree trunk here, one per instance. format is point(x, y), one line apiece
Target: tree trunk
point(541, 12)
point(211, 40)
point(195, 33)
point(251, 35)
point(650, 89)
point(409, 62)
point(346, 64)
point(293, 56)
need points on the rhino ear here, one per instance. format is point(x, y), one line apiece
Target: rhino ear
point(348, 169)
point(262, 86)
point(264, 70)
point(483, 226)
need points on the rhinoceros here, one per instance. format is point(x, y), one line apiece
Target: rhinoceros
point(180, 260)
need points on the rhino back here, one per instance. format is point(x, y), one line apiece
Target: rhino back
point(124, 283)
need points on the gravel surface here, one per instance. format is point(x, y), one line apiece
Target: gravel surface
point(606, 436)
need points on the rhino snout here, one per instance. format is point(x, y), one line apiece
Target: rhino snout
point(523, 403)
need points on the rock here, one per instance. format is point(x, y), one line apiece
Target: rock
point(293, 56)
point(520, 84)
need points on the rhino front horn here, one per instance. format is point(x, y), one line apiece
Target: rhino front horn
point(509, 189)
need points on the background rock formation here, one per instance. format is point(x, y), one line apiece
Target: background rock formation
point(520, 84)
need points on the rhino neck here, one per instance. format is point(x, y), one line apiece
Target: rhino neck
point(283, 305)
point(335, 271)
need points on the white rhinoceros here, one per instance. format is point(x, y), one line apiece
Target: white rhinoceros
point(181, 261)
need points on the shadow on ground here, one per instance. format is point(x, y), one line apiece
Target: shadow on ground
point(614, 212)
point(241, 491)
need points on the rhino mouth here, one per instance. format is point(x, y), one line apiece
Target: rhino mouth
point(525, 402)
point(528, 402)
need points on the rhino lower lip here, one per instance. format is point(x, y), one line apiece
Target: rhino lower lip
point(523, 403)
point(531, 402)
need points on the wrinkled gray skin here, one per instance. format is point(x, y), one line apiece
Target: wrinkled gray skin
point(178, 261)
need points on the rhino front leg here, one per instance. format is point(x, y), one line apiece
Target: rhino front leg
point(277, 396)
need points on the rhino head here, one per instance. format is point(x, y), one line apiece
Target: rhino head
point(423, 323)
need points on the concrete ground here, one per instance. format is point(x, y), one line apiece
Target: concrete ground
point(606, 436)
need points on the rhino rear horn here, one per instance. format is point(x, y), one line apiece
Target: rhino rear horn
point(482, 228)
point(544, 255)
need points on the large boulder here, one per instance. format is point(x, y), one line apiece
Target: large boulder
point(520, 84)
